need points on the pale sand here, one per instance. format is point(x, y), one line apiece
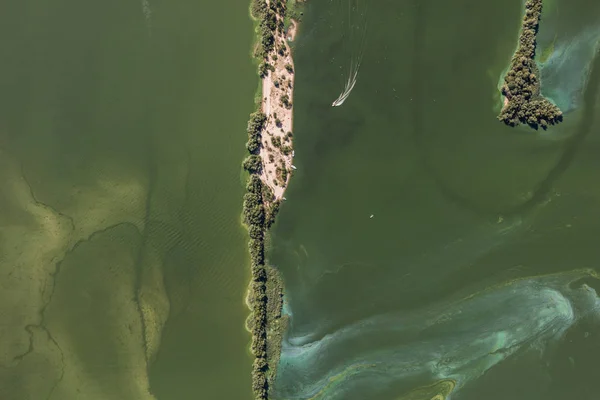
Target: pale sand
point(271, 105)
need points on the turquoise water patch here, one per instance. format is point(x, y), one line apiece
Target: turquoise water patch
point(566, 70)
point(459, 340)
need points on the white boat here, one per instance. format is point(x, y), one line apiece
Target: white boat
point(293, 166)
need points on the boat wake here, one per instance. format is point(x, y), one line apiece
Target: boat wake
point(355, 35)
point(350, 83)
point(147, 15)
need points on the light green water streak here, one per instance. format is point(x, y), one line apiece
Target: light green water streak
point(122, 259)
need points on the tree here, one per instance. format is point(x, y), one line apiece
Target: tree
point(253, 144)
point(253, 164)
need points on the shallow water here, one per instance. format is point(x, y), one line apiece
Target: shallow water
point(122, 257)
point(567, 45)
point(460, 203)
point(456, 341)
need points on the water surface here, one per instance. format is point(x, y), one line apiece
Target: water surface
point(460, 204)
point(123, 262)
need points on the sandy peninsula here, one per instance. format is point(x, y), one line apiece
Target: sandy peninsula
point(277, 95)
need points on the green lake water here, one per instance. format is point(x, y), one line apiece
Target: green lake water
point(423, 241)
point(123, 263)
point(426, 248)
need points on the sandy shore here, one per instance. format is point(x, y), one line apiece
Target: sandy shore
point(276, 151)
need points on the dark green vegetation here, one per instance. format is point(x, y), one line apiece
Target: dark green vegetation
point(268, 25)
point(525, 104)
point(266, 289)
point(253, 164)
point(265, 296)
point(254, 214)
point(255, 126)
point(282, 174)
point(285, 101)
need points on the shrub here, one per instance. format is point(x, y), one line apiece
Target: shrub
point(285, 100)
point(282, 173)
point(286, 150)
point(276, 141)
point(263, 69)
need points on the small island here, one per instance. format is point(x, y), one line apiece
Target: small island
point(523, 101)
point(269, 165)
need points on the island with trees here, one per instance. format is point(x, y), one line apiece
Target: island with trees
point(269, 165)
point(523, 101)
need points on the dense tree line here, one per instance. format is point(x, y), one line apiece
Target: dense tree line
point(260, 210)
point(254, 214)
point(525, 104)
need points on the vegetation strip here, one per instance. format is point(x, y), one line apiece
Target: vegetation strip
point(269, 167)
point(523, 101)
